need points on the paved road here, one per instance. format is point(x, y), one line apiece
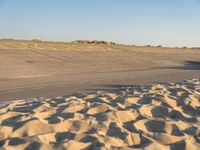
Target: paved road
point(66, 84)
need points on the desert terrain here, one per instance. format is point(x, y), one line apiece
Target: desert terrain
point(98, 95)
point(50, 69)
point(159, 116)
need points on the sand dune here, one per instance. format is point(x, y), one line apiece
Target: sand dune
point(161, 116)
point(49, 45)
point(38, 68)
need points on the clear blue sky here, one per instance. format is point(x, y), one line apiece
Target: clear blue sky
point(165, 22)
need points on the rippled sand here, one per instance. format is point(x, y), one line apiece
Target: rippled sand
point(160, 116)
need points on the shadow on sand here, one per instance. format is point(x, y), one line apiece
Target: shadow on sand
point(190, 65)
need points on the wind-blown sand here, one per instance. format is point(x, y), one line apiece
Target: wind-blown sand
point(160, 116)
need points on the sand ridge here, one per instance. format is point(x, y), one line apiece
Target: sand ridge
point(159, 116)
point(84, 45)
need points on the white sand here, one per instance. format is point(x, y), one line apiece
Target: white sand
point(162, 116)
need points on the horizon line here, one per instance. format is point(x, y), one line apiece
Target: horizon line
point(87, 40)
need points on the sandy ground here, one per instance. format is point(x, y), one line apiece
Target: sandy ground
point(159, 116)
point(48, 69)
point(127, 103)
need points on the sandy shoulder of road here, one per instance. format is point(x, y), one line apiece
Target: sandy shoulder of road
point(159, 116)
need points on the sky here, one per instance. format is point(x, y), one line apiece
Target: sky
point(140, 22)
